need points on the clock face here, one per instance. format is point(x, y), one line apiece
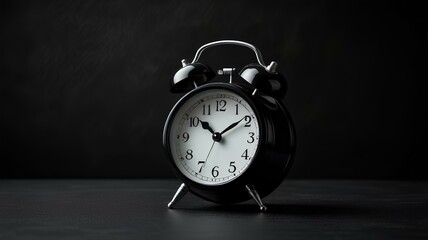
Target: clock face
point(214, 136)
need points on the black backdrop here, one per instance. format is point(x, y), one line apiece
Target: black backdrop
point(84, 84)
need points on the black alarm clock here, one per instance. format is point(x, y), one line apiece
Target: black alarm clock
point(229, 138)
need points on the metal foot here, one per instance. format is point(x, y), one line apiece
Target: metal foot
point(253, 193)
point(182, 190)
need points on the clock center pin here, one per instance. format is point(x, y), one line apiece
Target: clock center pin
point(217, 136)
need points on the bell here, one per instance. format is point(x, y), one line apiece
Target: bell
point(190, 76)
point(271, 83)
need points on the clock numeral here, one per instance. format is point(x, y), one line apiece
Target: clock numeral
point(233, 167)
point(236, 109)
point(221, 106)
point(186, 136)
point(214, 172)
point(201, 162)
point(252, 137)
point(248, 120)
point(206, 109)
point(245, 154)
point(194, 121)
point(189, 154)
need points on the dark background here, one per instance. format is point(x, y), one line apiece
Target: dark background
point(85, 84)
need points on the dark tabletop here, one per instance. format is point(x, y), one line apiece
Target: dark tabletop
point(137, 209)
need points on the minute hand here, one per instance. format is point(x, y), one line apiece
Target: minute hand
point(232, 125)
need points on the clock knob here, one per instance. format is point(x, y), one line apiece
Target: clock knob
point(190, 76)
point(267, 80)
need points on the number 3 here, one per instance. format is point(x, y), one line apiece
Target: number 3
point(252, 137)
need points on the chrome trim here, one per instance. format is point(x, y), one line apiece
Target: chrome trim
point(230, 42)
point(255, 195)
point(182, 190)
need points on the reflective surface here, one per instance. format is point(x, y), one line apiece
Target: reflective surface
point(188, 76)
point(136, 209)
point(272, 84)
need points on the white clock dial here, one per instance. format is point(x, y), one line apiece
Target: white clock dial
point(214, 137)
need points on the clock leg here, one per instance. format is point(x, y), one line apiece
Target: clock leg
point(253, 193)
point(182, 190)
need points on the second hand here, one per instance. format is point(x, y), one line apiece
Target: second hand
point(206, 159)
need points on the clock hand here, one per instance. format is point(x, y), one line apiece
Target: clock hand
point(233, 125)
point(206, 125)
point(216, 135)
point(203, 165)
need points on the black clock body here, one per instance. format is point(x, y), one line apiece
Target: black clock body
point(272, 159)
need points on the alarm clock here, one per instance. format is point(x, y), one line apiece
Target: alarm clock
point(229, 139)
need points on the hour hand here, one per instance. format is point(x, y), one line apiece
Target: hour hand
point(206, 125)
